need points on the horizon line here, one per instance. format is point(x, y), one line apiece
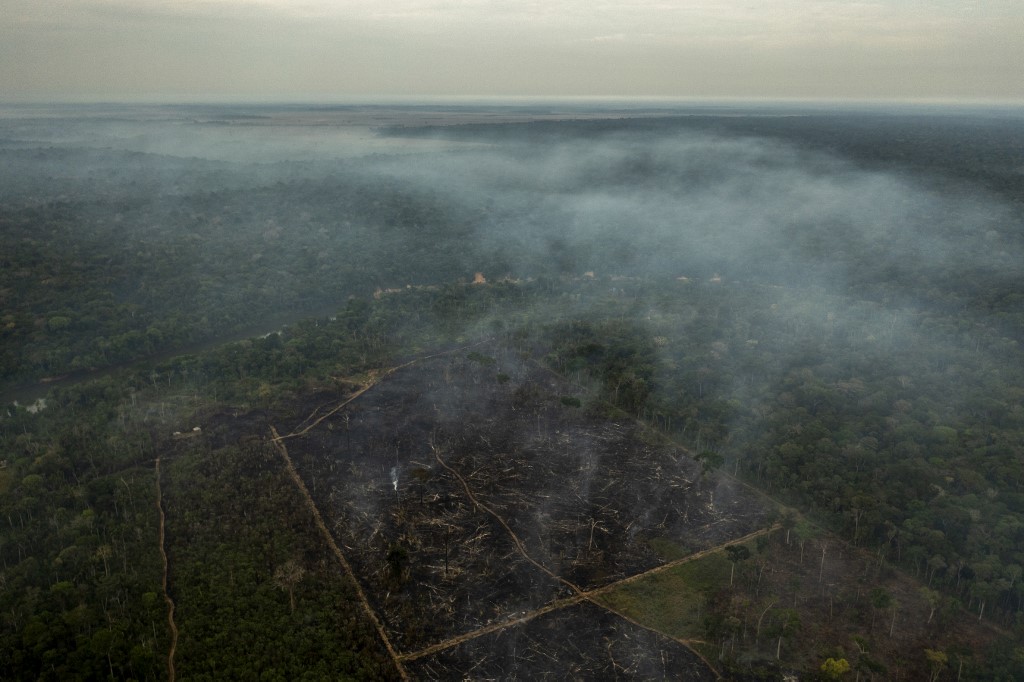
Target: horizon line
point(626, 101)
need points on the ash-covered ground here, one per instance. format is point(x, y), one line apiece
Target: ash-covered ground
point(468, 490)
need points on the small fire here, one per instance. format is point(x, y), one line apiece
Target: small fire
point(478, 278)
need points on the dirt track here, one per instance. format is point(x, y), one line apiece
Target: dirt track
point(277, 440)
point(167, 597)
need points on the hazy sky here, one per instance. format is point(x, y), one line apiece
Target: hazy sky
point(302, 49)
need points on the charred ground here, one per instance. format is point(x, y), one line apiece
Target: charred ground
point(468, 489)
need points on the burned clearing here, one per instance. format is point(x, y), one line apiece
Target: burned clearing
point(469, 490)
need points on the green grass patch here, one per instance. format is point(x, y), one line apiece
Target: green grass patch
point(667, 549)
point(672, 601)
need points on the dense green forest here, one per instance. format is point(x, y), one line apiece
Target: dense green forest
point(863, 371)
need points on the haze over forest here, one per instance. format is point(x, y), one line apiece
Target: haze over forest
point(199, 216)
point(485, 340)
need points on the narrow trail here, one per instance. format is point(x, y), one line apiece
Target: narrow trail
point(279, 444)
point(556, 605)
point(374, 380)
point(591, 596)
point(683, 642)
point(167, 596)
point(669, 565)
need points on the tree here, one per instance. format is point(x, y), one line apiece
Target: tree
point(709, 461)
point(398, 560)
point(880, 599)
point(788, 522)
point(757, 631)
point(937, 660)
point(933, 598)
point(104, 553)
point(286, 577)
point(833, 668)
point(804, 532)
point(736, 554)
point(788, 625)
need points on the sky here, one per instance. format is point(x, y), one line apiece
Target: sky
point(934, 50)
